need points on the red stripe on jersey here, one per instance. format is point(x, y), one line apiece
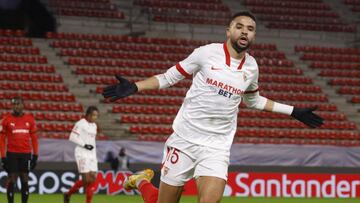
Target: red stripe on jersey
point(75, 132)
point(227, 55)
point(182, 71)
point(251, 91)
point(241, 63)
point(227, 58)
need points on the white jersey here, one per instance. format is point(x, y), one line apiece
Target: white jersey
point(83, 133)
point(208, 115)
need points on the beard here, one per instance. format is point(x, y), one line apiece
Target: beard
point(238, 48)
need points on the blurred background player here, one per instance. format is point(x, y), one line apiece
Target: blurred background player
point(112, 161)
point(123, 159)
point(223, 75)
point(84, 135)
point(17, 155)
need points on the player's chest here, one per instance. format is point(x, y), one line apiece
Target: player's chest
point(18, 126)
point(233, 79)
point(89, 131)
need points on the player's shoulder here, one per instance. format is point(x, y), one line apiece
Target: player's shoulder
point(6, 115)
point(210, 47)
point(82, 121)
point(251, 63)
point(250, 59)
point(208, 50)
point(29, 116)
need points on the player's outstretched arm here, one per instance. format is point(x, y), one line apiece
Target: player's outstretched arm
point(126, 88)
point(304, 115)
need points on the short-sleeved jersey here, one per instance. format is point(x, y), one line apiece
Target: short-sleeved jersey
point(18, 132)
point(208, 115)
point(85, 132)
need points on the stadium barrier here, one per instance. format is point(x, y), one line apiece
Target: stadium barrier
point(242, 184)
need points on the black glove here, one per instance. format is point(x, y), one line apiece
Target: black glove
point(4, 163)
point(307, 116)
point(123, 89)
point(33, 161)
point(89, 147)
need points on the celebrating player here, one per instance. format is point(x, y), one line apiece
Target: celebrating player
point(83, 135)
point(223, 74)
point(17, 156)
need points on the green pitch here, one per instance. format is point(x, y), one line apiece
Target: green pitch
point(137, 199)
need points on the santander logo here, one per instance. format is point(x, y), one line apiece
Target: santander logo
point(284, 185)
point(299, 185)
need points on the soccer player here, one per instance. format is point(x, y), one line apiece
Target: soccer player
point(223, 75)
point(83, 135)
point(18, 157)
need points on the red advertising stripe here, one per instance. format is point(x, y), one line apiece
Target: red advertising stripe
point(300, 185)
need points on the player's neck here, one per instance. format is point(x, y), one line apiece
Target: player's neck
point(88, 120)
point(233, 53)
point(16, 114)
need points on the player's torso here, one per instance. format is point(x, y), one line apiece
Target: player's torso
point(218, 86)
point(18, 131)
point(87, 133)
point(218, 79)
point(208, 115)
point(18, 126)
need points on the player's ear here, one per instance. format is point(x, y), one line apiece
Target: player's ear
point(227, 31)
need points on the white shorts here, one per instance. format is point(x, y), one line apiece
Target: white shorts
point(86, 164)
point(183, 160)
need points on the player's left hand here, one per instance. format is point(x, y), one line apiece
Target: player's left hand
point(306, 116)
point(33, 161)
point(123, 89)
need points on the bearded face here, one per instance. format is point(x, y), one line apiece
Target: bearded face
point(240, 44)
point(241, 33)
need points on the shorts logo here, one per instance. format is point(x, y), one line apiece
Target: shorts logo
point(12, 124)
point(166, 170)
point(27, 124)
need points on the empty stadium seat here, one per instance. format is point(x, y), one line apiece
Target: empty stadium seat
point(48, 87)
point(299, 15)
point(89, 8)
point(27, 68)
point(186, 12)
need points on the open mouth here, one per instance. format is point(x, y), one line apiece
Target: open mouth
point(243, 40)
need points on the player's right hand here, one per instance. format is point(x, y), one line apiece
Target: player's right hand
point(4, 163)
point(89, 147)
point(123, 89)
point(306, 116)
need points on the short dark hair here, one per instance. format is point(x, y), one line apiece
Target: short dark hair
point(242, 13)
point(91, 109)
